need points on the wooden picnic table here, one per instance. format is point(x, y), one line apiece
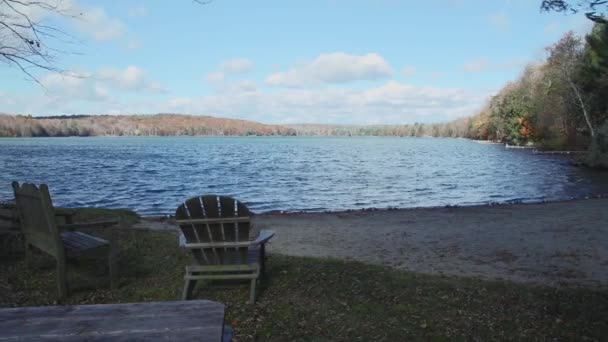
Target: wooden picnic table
point(199, 320)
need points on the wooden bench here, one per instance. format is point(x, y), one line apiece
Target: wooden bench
point(9, 218)
point(196, 320)
point(37, 218)
point(9, 223)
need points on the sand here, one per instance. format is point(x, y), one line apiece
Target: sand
point(555, 244)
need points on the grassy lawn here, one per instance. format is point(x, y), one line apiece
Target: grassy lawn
point(307, 299)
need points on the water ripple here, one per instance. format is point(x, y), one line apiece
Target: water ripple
point(154, 175)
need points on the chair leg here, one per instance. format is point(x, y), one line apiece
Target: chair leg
point(112, 265)
point(188, 289)
point(263, 259)
point(28, 254)
point(62, 282)
point(252, 291)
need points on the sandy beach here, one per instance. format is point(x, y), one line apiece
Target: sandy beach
point(555, 244)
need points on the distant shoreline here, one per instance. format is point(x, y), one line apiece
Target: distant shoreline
point(236, 136)
point(279, 212)
point(454, 206)
point(202, 125)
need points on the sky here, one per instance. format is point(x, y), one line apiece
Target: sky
point(281, 62)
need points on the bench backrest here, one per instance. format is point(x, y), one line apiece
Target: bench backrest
point(8, 218)
point(37, 217)
point(216, 229)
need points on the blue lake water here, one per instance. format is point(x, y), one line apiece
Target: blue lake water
point(153, 175)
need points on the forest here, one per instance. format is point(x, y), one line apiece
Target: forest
point(558, 104)
point(132, 125)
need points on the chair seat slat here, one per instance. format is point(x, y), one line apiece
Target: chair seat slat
point(223, 223)
point(77, 241)
point(214, 220)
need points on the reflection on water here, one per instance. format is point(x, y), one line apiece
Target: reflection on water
point(153, 175)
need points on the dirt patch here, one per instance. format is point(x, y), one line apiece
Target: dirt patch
point(563, 243)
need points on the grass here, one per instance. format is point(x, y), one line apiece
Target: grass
point(308, 299)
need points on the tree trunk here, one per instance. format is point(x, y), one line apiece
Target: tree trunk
point(582, 104)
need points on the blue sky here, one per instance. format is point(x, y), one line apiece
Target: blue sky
point(325, 61)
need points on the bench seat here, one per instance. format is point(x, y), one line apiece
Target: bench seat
point(77, 242)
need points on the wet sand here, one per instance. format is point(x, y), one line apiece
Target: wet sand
point(556, 244)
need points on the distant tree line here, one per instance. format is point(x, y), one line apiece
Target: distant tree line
point(457, 128)
point(132, 125)
point(176, 125)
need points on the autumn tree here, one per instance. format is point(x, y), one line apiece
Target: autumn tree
point(565, 62)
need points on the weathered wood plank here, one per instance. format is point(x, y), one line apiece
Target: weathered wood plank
point(264, 236)
point(83, 240)
point(201, 320)
point(214, 220)
point(133, 336)
point(216, 229)
point(37, 218)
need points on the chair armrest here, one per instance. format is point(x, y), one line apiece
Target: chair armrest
point(264, 236)
point(65, 212)
point(98, 224)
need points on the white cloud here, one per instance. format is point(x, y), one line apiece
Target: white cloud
point(180, 102)
point(477, 65)
point(215, 77)
point(95, 87)
point(134, 44)
point(138, 11)
point(335, 67)
point(156, 87)
point(92, 21)
point(243, 86)
point(75, 85)
point(96, 22)
point(236, 66)
point(130, 78)
point(499, 20)
point(409, 71)
point(392, 102)
point(436, 75)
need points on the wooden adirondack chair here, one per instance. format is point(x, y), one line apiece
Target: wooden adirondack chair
point(217, 230)
point(40, 229)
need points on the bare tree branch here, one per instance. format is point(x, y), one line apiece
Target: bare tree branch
point(595, 10)
point(25, 40)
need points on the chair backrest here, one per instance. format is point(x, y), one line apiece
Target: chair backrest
point(37, 218)
point(216, 229)
point(8, 218)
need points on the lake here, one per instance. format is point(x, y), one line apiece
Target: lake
point(153, 175)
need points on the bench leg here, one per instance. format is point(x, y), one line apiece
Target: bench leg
point(28, 254)
point(263, 259)
point(252, 291)
point(62, 282)
point(112, 265)
point(188, 289)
